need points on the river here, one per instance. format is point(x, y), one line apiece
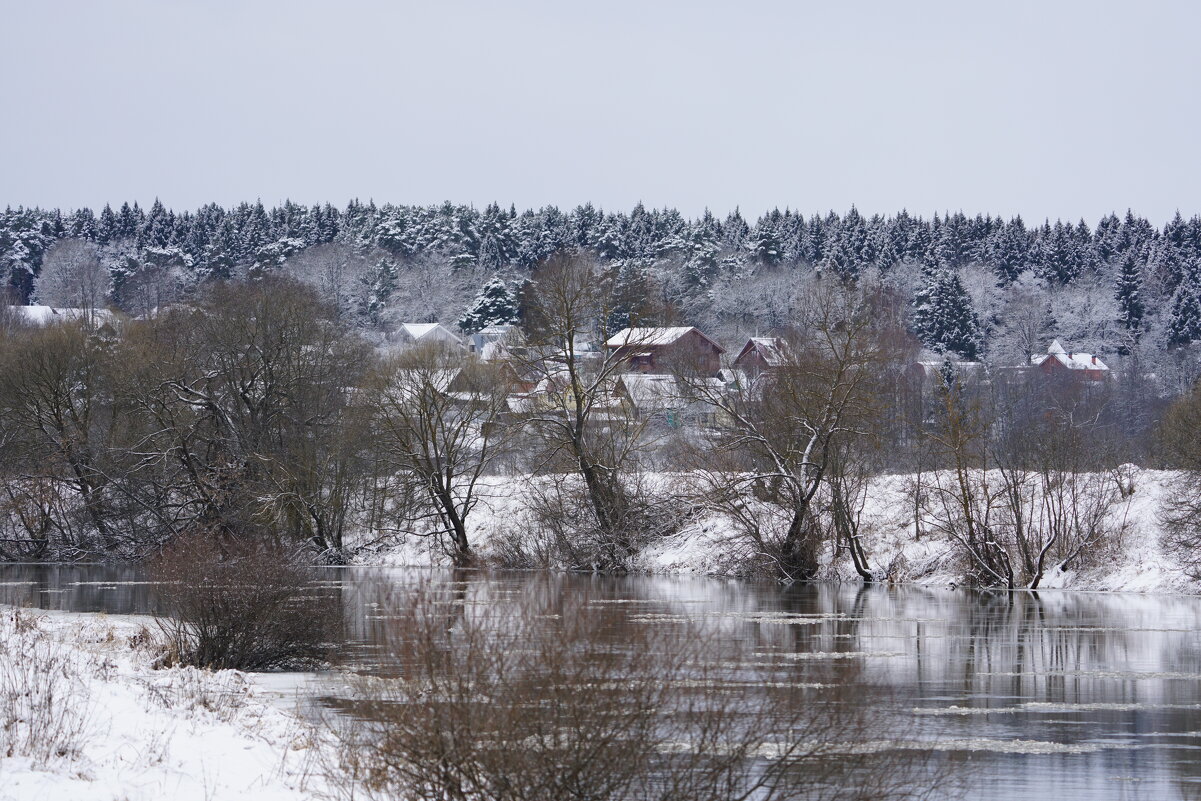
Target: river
point(1058, 695)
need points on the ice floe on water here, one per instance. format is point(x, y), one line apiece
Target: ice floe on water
point(1044, 707)
point(1123, 675)
point(822, 655)
point(769, 750)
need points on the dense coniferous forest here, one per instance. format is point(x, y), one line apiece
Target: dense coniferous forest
point(982, 287)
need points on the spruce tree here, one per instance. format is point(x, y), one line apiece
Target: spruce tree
point(494, 305)
point(83, 224)
point(106, 226)
point(943, 317)
point(1184, 323)
point(1128, 291)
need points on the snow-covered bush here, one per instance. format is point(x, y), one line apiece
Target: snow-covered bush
point(568, 534)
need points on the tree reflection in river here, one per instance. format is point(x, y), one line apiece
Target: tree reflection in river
point(1063, 695)
point(552, 694)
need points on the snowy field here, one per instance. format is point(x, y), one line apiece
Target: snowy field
point(120, 730)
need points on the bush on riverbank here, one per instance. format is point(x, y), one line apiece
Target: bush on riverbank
point(557, 697)
point(248, 606)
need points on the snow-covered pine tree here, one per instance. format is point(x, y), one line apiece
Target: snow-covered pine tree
point(1128, 291)
point(632, 294)
point(496, 304)
point(381, 282)
point(763, 244)
point(83, 224)
point(943, 317)
point(106, 225)
point(1184, 322)
point(701, 250)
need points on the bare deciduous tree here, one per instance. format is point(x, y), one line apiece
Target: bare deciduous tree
point(785, 426)
point(248, 399)
point(438, 423)
point(1180, 438)
point(72, 276)
point(56, 421)
point(574, 410)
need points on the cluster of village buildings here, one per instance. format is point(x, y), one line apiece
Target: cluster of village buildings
point(646, 382)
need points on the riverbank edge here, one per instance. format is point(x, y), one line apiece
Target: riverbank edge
point(152, 733)
point(708, 545)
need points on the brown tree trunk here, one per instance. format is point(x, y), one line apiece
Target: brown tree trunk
point(798, 555)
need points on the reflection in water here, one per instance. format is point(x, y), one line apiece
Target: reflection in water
point(1064, 695)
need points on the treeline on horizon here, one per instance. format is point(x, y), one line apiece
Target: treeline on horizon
point(981, 287)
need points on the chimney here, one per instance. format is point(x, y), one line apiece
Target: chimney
point(1094, 360)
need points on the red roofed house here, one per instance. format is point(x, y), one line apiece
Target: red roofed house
point(659, 350)
point(1059, 362)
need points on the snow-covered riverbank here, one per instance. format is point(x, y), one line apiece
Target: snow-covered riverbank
point(1133, 561)
point(134, 732)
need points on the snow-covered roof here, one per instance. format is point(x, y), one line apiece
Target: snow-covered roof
point(419, 331)
point(1072, 361)
point(652, 391)
point(653, 337)
point(48, 315)
point(773, 350)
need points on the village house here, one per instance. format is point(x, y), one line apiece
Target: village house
point(661, 350)
point(661, 400)
point(1058, 362)
point(762, 355)
point(486, 342)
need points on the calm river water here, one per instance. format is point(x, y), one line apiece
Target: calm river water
point(1060, 695)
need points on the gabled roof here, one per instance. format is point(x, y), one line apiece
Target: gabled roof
point(773, 350)
point(655, 337)
point(651, 391)
point(420, 330)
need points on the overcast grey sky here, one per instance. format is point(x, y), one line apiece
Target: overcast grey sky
point(1040, 108)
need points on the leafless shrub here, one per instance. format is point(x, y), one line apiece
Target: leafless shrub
point(558, 699)
point(568, 533)
point(243, 606)
point(220, 694)
point(44, 702)
point(523, 548)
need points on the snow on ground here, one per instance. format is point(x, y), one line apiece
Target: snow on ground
point(710, 546)
point(176, 733)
